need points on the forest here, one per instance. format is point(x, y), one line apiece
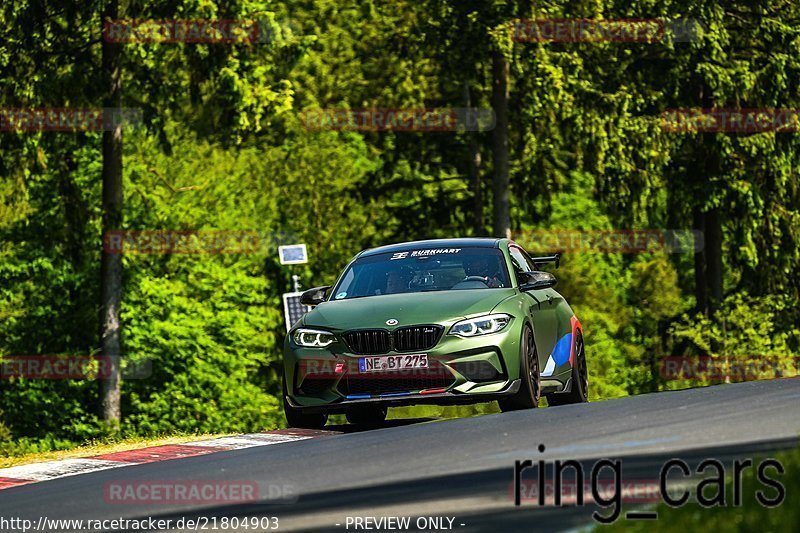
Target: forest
point(660, 156)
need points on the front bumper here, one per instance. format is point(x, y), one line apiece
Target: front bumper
point(444, 398)
point(470, 370)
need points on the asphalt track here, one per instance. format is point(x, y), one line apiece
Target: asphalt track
point(461, 469)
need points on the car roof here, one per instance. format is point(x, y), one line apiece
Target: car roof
point(472, 242)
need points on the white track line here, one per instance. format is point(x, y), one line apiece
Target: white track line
point(57, 469)
point(72, 467)
point(246, 441)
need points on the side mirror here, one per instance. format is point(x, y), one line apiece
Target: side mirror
point(314, 296)
point(531, 281)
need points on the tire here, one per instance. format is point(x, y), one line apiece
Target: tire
point(366, 415)
point(530, 389)
point(579, 393)
point(295, 418)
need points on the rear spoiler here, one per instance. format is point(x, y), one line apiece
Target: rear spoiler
point(546, 260)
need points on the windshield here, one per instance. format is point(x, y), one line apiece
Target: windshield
point(437, 269)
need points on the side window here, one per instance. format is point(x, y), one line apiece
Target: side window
point(519, 261)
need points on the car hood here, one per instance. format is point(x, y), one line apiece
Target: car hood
point(407, 309)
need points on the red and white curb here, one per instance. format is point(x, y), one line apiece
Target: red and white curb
point(33, 473)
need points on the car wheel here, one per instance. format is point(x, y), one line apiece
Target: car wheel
point(580, 379)
point(297, 419)
point(530, 389)
point(366, 415)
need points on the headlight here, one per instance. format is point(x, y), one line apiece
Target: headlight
point(481, 325)
point(313, 338)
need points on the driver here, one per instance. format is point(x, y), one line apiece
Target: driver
point(481, 266)
point(397, 281)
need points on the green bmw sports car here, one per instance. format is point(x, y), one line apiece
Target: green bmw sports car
point(442, 322)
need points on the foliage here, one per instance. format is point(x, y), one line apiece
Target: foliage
point(748, 338)
point(223, 147)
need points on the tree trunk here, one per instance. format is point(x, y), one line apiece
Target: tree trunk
point(714, 258)
point(700, 291)
point(474, 171)
point(712, 223)
point(501, 220)
point(111, 264)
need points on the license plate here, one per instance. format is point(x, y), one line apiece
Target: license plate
point(391, 363)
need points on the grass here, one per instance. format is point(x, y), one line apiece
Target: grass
point(751, 516)
point(98, 448)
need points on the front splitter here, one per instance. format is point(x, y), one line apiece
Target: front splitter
point(444, 398)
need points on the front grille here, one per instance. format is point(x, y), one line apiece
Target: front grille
point(416, 338)
point(368, 341)
point(434, 377)
point(380, 341)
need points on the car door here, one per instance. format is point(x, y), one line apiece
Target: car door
point(542, 308)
